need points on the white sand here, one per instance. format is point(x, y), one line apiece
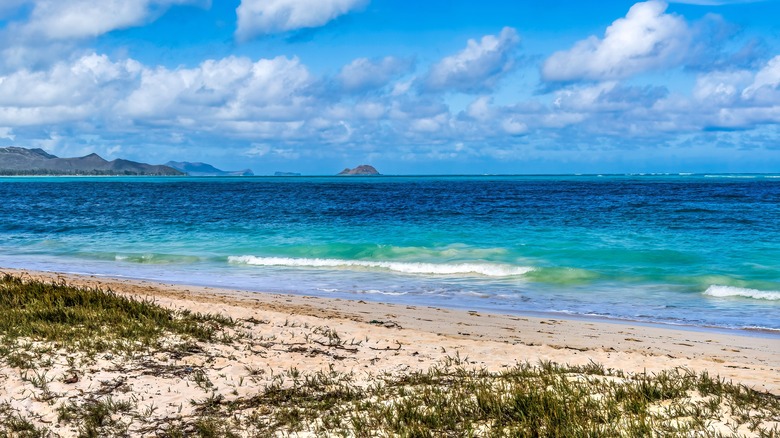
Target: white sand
point(293, 332)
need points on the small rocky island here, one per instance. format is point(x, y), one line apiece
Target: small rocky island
point(363, 169)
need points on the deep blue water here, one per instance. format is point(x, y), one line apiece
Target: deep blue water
point(694, 249)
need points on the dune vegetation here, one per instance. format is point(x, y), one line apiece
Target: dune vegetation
point(53, 334)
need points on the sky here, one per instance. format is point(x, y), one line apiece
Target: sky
point(423, 87)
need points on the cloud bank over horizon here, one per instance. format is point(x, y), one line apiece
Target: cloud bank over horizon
point(641, 94)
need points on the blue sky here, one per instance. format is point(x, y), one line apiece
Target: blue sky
point(441, 86)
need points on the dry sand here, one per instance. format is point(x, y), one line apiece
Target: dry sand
point(288, 331)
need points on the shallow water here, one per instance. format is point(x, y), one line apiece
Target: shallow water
point(678, 249)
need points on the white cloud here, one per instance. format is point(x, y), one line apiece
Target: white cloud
point(476, 68)
point(364, 74)
point(257, 17)
point(766, 84)
point(739, 99)
point(480, 108)
point(582, 98)
point(370, 110)
point(114, 151)
point(64, 84)
point(514, 126)
point(646, 39)
point(73, 19)
point(758, 103)
point(215, 94)
point(721, 88)
point(261, 149)
point(608, 97)
point(257, 150)
point(429, 125)
point(6, 132)
point(67, 91)
point(228, 89)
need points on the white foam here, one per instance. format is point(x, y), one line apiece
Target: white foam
point(483, 269)
point(382, 292)
point(732, 291)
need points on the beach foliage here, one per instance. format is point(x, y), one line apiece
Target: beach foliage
point(540, 400)
point(452, 398)
point(39, 317)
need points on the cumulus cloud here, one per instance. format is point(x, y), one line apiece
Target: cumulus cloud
point(74, 19)
point(766, 84)
point(481, 108)
point(647, 38)
point(514, 125)
point(721, 87)
point(730, 99)
point(608, 96)
point(257, 17)
point(366, 74)
point(237, 94)
point(232, 88)
point(66, 92)
point(476, 68)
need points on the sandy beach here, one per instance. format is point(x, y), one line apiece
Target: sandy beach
point(284, 332)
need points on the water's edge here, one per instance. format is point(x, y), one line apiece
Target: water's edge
point(762, 333)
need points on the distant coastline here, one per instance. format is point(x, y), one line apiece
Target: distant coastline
point(16, 160)
point(704, 176)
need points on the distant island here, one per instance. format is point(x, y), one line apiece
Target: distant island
point(22, 161)
point(287, 174)
point(203, 169)
point(364, 169)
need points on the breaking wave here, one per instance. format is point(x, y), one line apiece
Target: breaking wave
point(482, 269)
point(732, 291)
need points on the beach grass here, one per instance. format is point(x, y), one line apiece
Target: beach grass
point(452, 398)
point(39, 317)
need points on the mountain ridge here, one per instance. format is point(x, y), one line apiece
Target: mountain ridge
point(205, 169)
point(15, 160)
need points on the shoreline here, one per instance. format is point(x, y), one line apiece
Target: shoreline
point(295, 365)
point(749, 331)
point(743, 356)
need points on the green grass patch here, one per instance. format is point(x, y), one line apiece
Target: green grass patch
point(47, 315)
point(545, 400)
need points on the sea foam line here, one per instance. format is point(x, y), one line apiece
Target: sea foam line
point(732, 291)
point(484, 269)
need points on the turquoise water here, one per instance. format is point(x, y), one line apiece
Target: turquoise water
point(680, 249)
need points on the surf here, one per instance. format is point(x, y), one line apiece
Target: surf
point(443, 269)
point(733, 291)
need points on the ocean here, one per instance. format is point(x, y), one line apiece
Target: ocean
point(695, 250)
